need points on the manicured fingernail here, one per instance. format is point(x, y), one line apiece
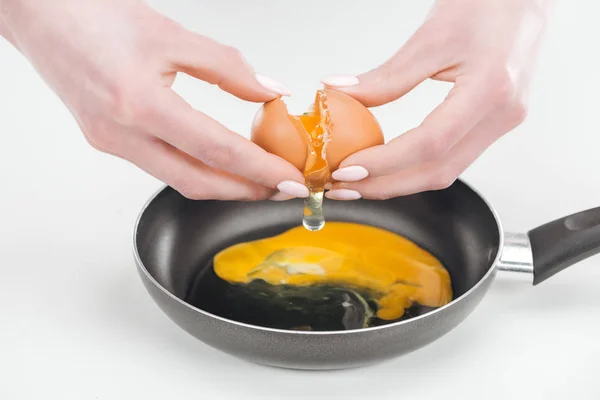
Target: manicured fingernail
point(328, 186)
point(350, 174)
point(293, 188)
point(272, 85)
point(280, 196)
point(343, 194)
point(340, 81)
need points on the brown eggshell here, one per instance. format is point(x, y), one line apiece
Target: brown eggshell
point(278, 133)
point(353, 128)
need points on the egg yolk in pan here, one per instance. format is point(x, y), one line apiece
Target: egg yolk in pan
point(395, 270)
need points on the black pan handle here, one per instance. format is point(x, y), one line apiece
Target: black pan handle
point(564, 242)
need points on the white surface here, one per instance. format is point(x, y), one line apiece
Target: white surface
point(76, 322)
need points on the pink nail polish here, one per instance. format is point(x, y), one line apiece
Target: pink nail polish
point(272, 85)
point(350, 174)
point(343, 194)
point(293, 188)
point(340, 81)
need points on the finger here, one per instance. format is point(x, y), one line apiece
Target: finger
point(225, 66)
point(466, 105)
point(208, 141)
point(410, 66)
point(438, 174)
point(190, 177)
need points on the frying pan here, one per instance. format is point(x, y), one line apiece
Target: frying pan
point(175, 238)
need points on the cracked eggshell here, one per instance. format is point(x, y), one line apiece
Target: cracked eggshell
point(353, 128)
point(279, 133)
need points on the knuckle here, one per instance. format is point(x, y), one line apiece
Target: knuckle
point(233, 55)
point(188, 195)
point(100, 137)
point(129, 106)
point(518, 113)
point(386, 195)
point(502, 88)
point(97, 144)
point(382, 194)
point(189, 190)
point(190, 186)
point(252, 195)
point(443, 178)
point(384, 73)
point(215, 156)
point(381, 79)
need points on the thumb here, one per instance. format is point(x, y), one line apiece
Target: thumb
point(389, 81)
point(206, 59)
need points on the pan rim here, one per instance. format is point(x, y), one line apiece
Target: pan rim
point(430, 314)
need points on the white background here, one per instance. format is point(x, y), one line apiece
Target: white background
point(76, 323)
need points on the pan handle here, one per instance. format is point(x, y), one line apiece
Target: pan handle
point(564, 242)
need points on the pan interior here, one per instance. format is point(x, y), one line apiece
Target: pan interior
point(176, 238)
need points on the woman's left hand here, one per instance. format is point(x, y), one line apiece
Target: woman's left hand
point(488, 49)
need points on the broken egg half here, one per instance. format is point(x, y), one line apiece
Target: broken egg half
point(316, 142)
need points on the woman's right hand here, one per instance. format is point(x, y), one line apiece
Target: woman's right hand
point(112, 62)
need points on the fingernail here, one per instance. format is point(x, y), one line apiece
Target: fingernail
point(272, 85)
point(340, 81)
point(293, 188)
point(343, 194)
point(350, 174)
point(279, 196)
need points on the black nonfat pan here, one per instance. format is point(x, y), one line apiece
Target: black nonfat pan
point(175, 239)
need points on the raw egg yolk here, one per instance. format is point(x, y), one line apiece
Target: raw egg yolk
point(317, 123)
point(397, 271)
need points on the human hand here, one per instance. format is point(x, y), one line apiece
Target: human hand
point(113, 62)
point(488, 49)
